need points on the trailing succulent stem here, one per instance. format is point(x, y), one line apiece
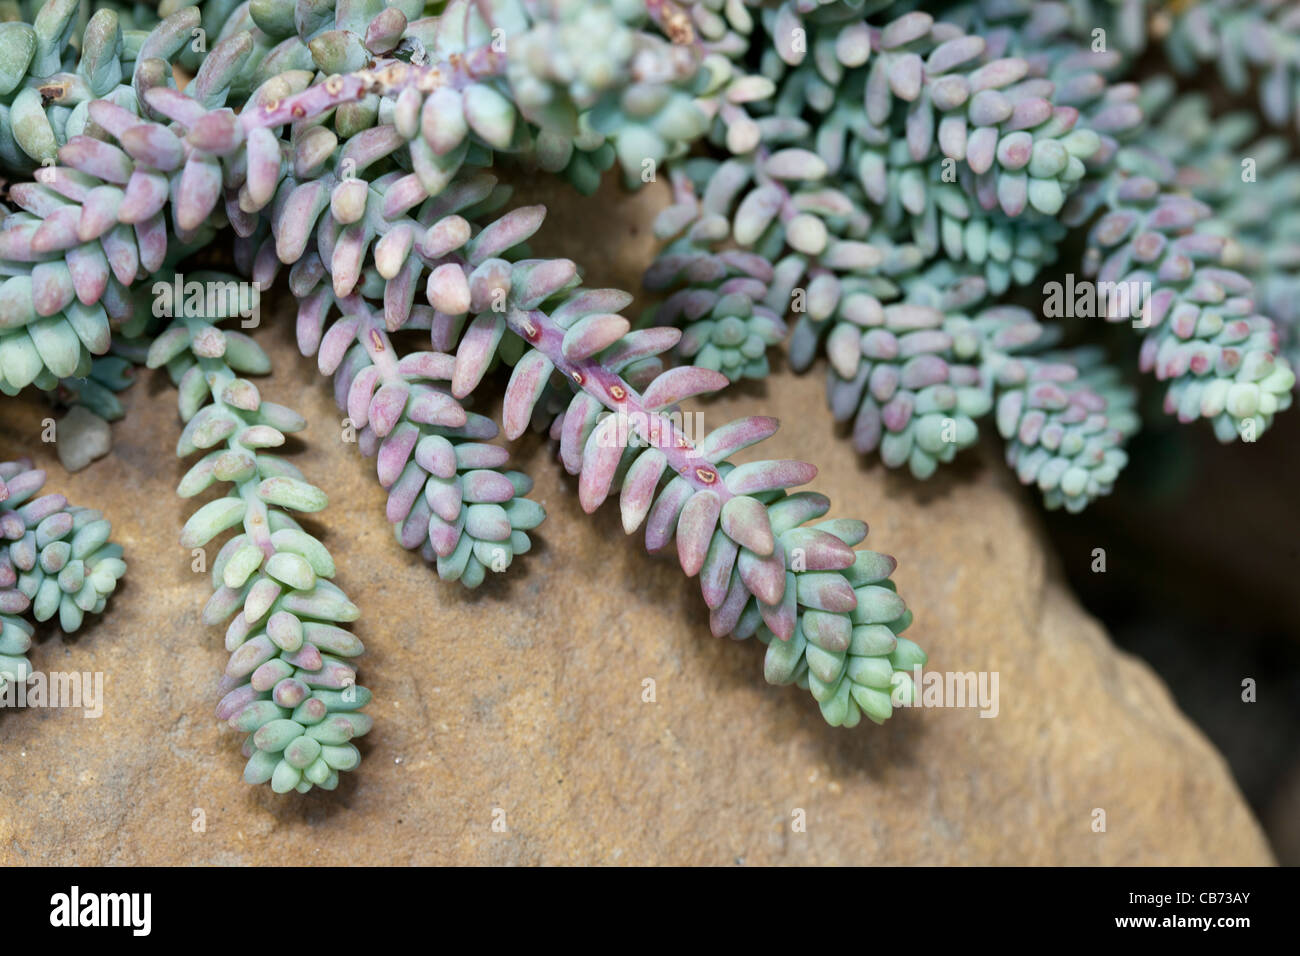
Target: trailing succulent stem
point(290, 684)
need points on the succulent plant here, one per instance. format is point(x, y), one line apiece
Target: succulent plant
point(857, 179)
point(56, 561)
point(290, 684)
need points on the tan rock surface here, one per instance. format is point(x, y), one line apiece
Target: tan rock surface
point(526, 696)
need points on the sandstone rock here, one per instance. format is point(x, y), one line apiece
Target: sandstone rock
point(527, 696)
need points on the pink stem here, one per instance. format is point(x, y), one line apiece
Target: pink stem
point(387, 78)
point(610, 389)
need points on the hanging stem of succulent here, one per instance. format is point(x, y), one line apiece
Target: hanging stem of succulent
point(290, 684)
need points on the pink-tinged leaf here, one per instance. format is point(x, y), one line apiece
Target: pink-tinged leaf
point(414, 533)
point(97, 158)
point(782, 618)
point(437, 366)
point(66, 182)
point(759, 476)
point(527, 382)
point(335, 344)
point(386, 407)
point(867, 426)
point(244, 224)
point(436, 455)
point(600, 460)
point(442, 120)
point(264, 161)
point(448, 289)
point(639, 485)
point(444, 236)
point(695, 527)
point(58, 231)
point(117, 301)
point(200, 188)
point(444, 329)
point(89, 268)
point(219, 133)
point(266, 264)
point(536, 281)
point(590, 302)
point(311, 319)
point(16, 242)
point(51, 287)
point(13, 602)
point(403, 493)
point(482, 486)
point(346, 262)
point(725, 441)
point(432, 406)
point(662, 521)
point(844, 349)
point(444, 535)
point(443, 496)
point(821, 551)
point(745, 521)
point(308, 658)
point(715, 576)
point(298, 218)
point(251, 655)
point(981, 149)
point(579, 419)
point(354, 362)
point(36, 198)
point(393, 248)
point(478, 346)
point(359, 393)
point(724, 617)
point(235, 701)
point(505, 233)
point(123, 257)
point(831, 632)
point(258, 601)
point(403, 195)
point(151, 241)
point(683, 382)
point(111, 117)
point(153, 145)
point(480, 455)
point(635, 346)
point(348, 200)
point(489, 286)
point(370, 145)
point(590, 335)
point(175, 105)
point(763, 575)
point(146, 194)
point(399, 295)
point(478, 427)
point(826, 591)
